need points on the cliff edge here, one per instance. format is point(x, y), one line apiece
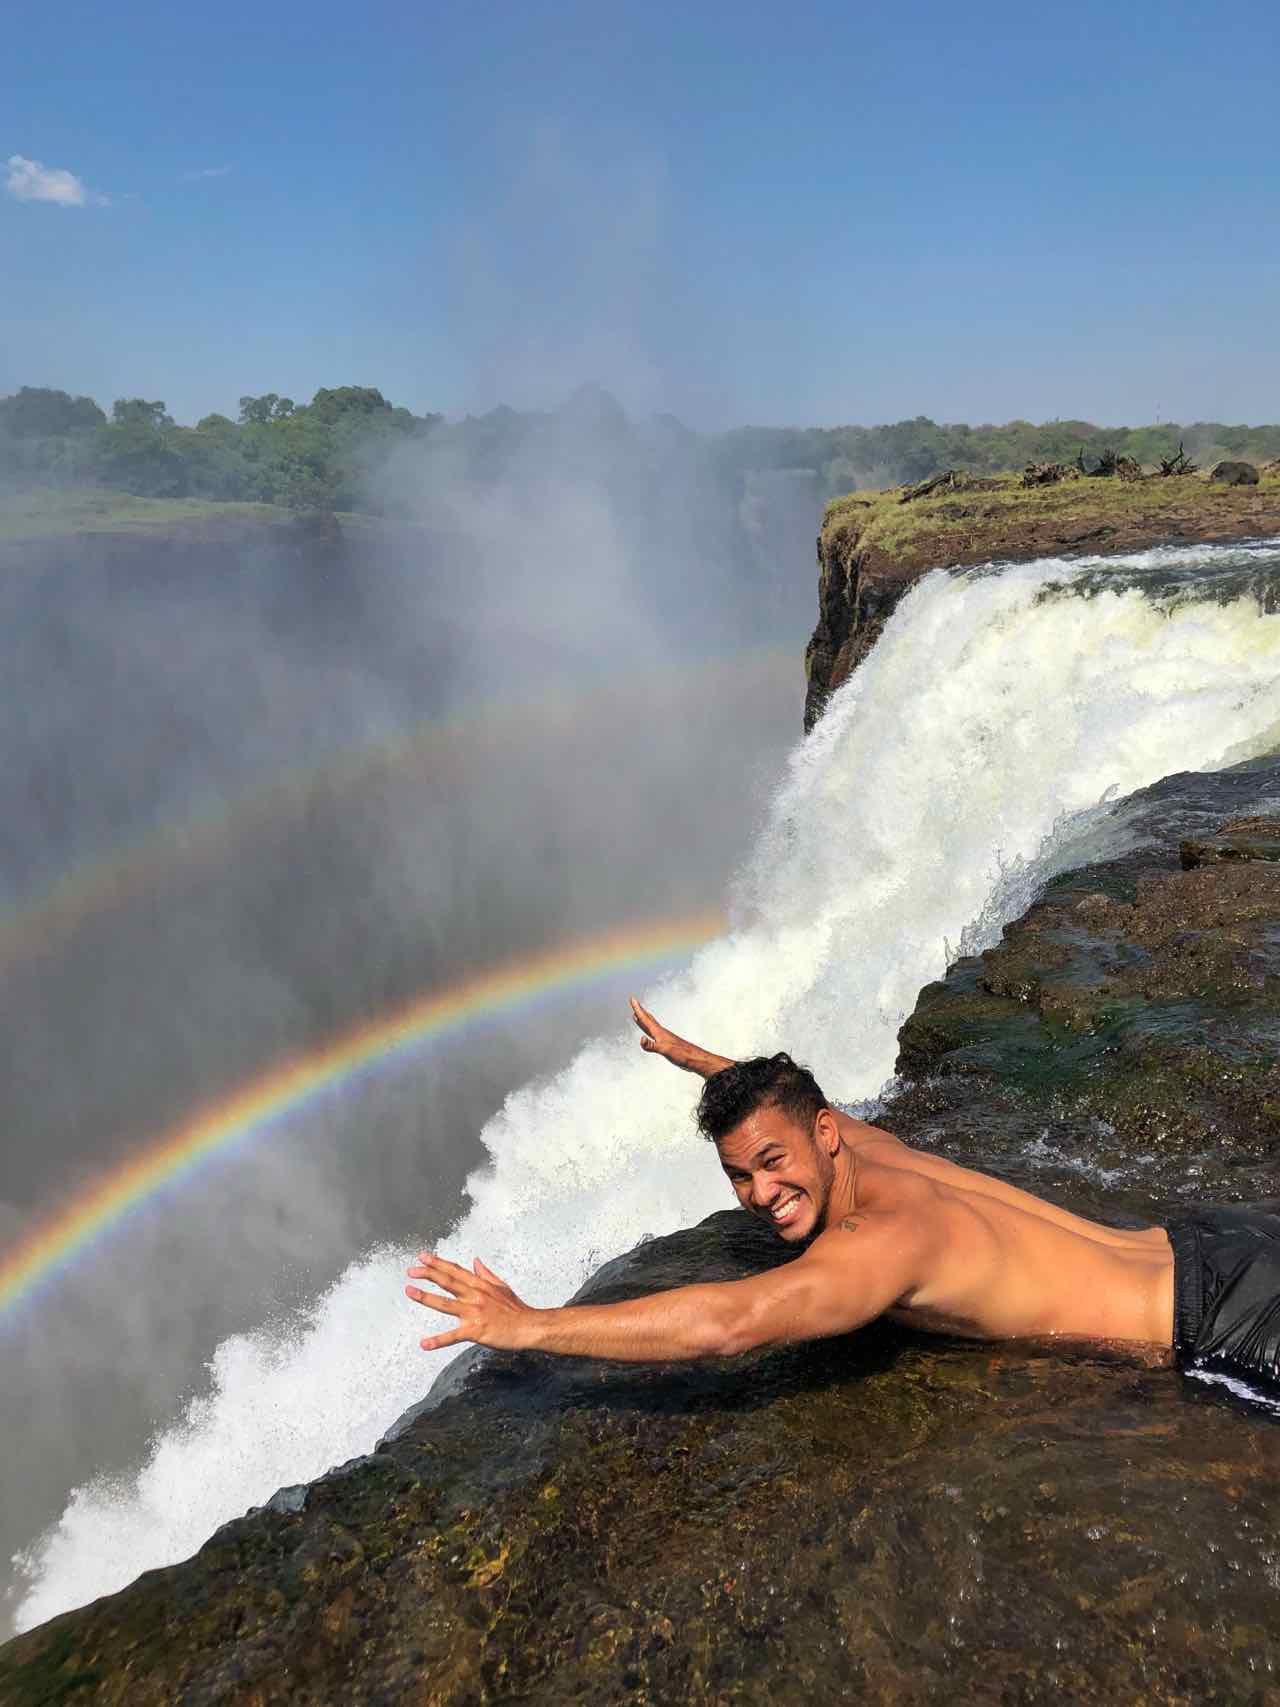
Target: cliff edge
point(874, 545)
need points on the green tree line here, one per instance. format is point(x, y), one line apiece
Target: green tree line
point(842, 459)
point(304, 456)
point(326, 454)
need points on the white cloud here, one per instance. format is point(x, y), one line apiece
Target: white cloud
point(33, 181)
point(207, 172)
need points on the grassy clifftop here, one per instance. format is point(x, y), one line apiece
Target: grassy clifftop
point(997, 516)
point(874, 544)
point(52, 514)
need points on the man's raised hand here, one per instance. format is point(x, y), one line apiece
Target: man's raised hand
point(488, 1311)
point(657, 1040)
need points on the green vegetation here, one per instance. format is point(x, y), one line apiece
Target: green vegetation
point(42, 511)
point(302, 456)
point(844, 458)
point(333, 452)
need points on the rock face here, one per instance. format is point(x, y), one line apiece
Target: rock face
point(883, 1518)
point(874, 545)
point(858, 588)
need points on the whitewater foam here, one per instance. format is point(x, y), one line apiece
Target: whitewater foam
point(945, 782)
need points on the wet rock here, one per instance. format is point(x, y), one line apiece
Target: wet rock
point(1133, 1013)
point(1245, 838)
point(884, 1520)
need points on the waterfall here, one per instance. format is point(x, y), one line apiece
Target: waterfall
point(964, 762)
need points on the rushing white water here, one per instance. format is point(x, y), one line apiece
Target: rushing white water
point(933, 796)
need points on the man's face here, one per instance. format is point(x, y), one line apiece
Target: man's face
point(780, 1171)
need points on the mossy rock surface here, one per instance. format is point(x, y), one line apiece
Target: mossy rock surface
point(1129, 1019)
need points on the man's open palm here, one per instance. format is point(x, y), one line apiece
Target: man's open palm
point(488, 1311)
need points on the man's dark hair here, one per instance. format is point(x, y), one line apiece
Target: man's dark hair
point(766, 1081)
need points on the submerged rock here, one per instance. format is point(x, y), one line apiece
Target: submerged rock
point(880, 1518)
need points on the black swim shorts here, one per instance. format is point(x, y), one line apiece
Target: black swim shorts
point(1226, 1292)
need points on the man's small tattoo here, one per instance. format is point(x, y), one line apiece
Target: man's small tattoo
point(851, 1223)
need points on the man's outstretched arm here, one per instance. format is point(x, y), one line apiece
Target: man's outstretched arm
point(657, 1040)
point(850, 1275)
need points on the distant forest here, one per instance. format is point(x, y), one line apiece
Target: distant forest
point(329, 454)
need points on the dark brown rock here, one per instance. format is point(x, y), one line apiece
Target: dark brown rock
point(1235, 474)
point(857, 593)
point(1241, 839)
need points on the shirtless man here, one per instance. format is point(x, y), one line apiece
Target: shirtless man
point(890, 1230)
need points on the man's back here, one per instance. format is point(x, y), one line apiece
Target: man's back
point(1001, 1263)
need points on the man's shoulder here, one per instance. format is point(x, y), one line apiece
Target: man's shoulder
point(890, 1183)
point(893, 1204)
point(860, 1135)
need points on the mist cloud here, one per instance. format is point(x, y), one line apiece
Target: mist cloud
point(32, 181)
point(564, 274)
point(594, 569)
point(577, 564)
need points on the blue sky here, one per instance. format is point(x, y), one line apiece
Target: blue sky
point(801, 213)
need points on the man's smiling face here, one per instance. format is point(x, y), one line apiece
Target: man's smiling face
point(781, 1171)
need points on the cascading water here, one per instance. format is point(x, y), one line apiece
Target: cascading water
point(947, 780)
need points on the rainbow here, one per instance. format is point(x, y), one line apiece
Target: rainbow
point(169, 1162)
point(41, 922)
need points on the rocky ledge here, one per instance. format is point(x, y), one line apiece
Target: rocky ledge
point(883, 1518)
point(1123, 1033)
point(873, 545)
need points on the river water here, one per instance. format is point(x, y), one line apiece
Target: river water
point(969, 759)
